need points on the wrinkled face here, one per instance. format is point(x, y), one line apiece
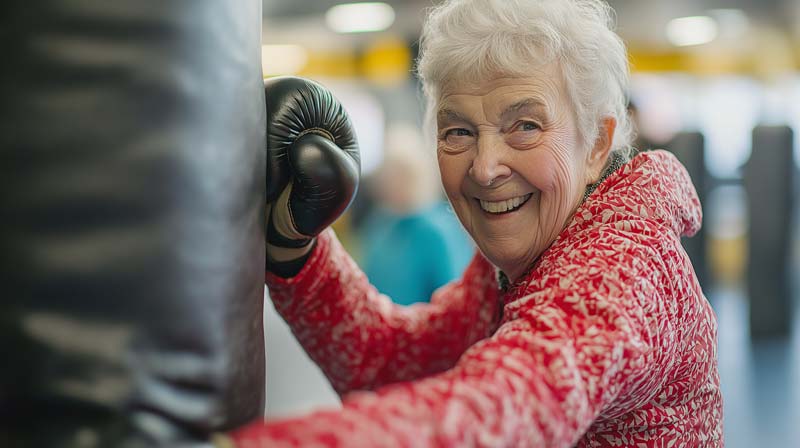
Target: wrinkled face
point(513, 164)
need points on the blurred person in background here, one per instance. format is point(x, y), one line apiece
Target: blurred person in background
point(580, 321)
point(412, 242)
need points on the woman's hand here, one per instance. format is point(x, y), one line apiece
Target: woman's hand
point(313, 168)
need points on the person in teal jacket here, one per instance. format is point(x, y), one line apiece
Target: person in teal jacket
point(408, 256)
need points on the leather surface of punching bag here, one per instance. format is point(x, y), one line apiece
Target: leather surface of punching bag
point(132, 181)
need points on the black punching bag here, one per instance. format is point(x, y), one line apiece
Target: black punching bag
point(769, 182)
point(132, 181)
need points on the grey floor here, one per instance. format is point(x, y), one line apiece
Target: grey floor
point(760, 379)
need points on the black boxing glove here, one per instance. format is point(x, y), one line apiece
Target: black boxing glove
point(313, 168)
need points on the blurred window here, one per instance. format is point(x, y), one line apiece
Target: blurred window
point(729, 110)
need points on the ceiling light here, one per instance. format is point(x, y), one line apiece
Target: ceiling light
point(360, 17)
point(282, 59)
point(694, 30)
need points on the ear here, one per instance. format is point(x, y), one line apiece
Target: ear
point(601, 149)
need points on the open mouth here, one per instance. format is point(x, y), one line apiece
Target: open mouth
point(507, 206)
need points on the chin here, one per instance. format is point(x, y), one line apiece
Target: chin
point(512, 261)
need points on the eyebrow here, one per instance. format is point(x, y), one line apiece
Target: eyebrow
point(531, 105)
point(450, 115)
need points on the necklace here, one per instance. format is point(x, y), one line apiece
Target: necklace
point(617, 160)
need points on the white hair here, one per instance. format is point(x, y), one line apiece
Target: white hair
point(474, 40)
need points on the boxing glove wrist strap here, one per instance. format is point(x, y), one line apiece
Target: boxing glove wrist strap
point(292, 266)
point(275, 238)
point(283, 254)
point(282, 231)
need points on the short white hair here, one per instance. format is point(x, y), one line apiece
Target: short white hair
point(465, 41)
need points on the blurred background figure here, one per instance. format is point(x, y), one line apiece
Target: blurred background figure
point(411, 241)
point(717, 83)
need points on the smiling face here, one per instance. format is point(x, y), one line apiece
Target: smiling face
point(513, 164)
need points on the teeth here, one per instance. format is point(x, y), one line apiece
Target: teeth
point(504, 206)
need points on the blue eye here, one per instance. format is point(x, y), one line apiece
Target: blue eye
point(457, 139)
point(458, 132)
point(524, 134)
point(458, 136)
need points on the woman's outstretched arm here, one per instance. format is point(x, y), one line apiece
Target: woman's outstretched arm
point(361, 340)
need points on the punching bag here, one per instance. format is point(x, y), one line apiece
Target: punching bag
point(770, 186)
point(132, 174)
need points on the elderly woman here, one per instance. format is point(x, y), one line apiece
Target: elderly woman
point(580, 321)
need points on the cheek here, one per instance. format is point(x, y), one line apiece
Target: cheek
point(545, 170)
point(561, 202)
point(556, 173)
point(452, 171)
point(562, 169)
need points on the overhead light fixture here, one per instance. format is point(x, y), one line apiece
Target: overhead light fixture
point(282, 59)
point(696, 30)
point(360, 17)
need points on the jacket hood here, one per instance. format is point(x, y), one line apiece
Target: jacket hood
point(653, 185)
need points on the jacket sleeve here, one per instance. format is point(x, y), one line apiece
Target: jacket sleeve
point(360, 339)
point(571, 354)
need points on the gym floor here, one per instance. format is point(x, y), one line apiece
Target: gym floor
point(760, 379)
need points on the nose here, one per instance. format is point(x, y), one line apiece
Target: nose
point(489, 165)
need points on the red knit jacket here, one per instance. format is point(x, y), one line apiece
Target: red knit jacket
point(607, 341)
